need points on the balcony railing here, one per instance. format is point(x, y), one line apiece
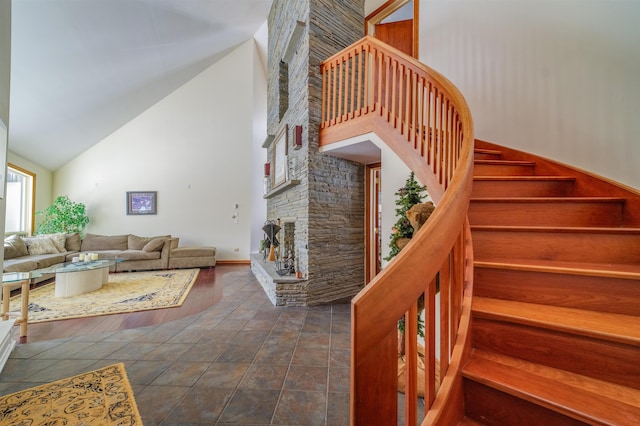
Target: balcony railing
point(371, 87)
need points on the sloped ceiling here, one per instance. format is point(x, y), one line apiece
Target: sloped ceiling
point(81, 69)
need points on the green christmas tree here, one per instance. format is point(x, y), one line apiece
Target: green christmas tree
point(408, 196)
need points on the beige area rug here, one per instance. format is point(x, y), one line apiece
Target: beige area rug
point(125, 292)
point(100, 397)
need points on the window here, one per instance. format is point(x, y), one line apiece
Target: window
point(19, 200)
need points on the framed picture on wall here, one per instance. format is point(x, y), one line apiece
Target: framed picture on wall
point(279, 160)
point(139, 202)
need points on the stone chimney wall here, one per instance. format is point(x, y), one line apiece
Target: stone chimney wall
point(328, 201)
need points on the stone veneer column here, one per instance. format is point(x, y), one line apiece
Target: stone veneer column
point(328, 203)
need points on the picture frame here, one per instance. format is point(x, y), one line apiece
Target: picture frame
point(142, 202)
point(279, 166)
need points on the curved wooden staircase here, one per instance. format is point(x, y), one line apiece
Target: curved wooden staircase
point(538, 266)
point(555, 327)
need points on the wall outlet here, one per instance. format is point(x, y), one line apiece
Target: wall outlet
point(236, 249)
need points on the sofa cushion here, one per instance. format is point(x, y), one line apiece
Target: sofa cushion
point(14, 246)
point(102, 254)
point(193, 252)
point(139, 255)
point(40, 245)
point(46, 260)
point(154, 245)
point(137, 243)
point(20, 265)
point(92, 242)
point(73, 242)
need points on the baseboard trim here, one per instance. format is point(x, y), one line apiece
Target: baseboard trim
point(233, 262)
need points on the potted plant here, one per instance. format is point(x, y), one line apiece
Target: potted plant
point(410, 195)
point(63, 215)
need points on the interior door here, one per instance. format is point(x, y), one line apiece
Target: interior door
point(398, 34)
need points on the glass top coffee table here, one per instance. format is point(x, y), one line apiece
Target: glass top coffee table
point(74, 278)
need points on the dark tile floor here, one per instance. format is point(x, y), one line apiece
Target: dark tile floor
point(241, 362)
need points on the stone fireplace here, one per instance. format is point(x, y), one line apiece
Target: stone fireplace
point(318, 199)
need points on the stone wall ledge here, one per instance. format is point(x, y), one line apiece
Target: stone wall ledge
point(268, 268)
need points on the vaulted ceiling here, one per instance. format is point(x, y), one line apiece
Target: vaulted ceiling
point(81, 69)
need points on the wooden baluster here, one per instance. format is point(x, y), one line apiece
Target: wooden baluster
point(420, 116)
point(445, 314)
point(430, 118)
point(411, 367)
point(333, 95)
point(354, 64)
point(340, 91)
point(367, 63)
point(430, 344)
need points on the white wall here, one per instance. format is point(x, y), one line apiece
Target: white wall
point(195, 147)
point(259, 204)
point(557, 78)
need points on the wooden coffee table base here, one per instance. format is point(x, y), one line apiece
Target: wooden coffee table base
point(24, 310)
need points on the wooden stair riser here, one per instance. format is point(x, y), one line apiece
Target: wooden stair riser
point(593, 293)
point(490, 169)
point(549, 213)
point(603, 360)
point(486, 187)
point(490, 406)
point(500, 245)
point(487, 155)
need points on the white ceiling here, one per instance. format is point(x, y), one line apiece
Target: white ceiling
point(80, 69)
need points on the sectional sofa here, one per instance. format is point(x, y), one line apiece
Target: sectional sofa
point(45, 252)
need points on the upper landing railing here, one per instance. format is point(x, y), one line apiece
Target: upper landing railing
point(423, 118)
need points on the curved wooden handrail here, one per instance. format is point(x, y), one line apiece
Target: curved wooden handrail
point(372, 87)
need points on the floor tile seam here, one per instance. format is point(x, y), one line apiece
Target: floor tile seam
point(295, 347)
point(235, 390)
point(326, 408)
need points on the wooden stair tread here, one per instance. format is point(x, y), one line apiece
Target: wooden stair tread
point(622, 271)
point(506, 162)
point(550, 199)
point(583, 398)
point(602, 325)
point(487, 151)
point(526, 178)
point(559, 229)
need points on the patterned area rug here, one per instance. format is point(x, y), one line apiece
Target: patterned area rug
point(100, 397)
point(125, 292)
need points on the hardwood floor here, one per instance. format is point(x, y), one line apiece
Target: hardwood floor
point(206, 292)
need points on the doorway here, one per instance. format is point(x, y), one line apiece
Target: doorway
point(396, 23)
point(374, 220)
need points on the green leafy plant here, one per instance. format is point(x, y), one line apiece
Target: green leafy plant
point(63, 215)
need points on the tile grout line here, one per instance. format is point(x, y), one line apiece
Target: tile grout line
point(295, 348)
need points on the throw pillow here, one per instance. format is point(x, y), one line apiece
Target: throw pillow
point(154, 245)
point(137, 243)
point(14, 246)
point(59, 240)
point(40, 245)
point(73, 242)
